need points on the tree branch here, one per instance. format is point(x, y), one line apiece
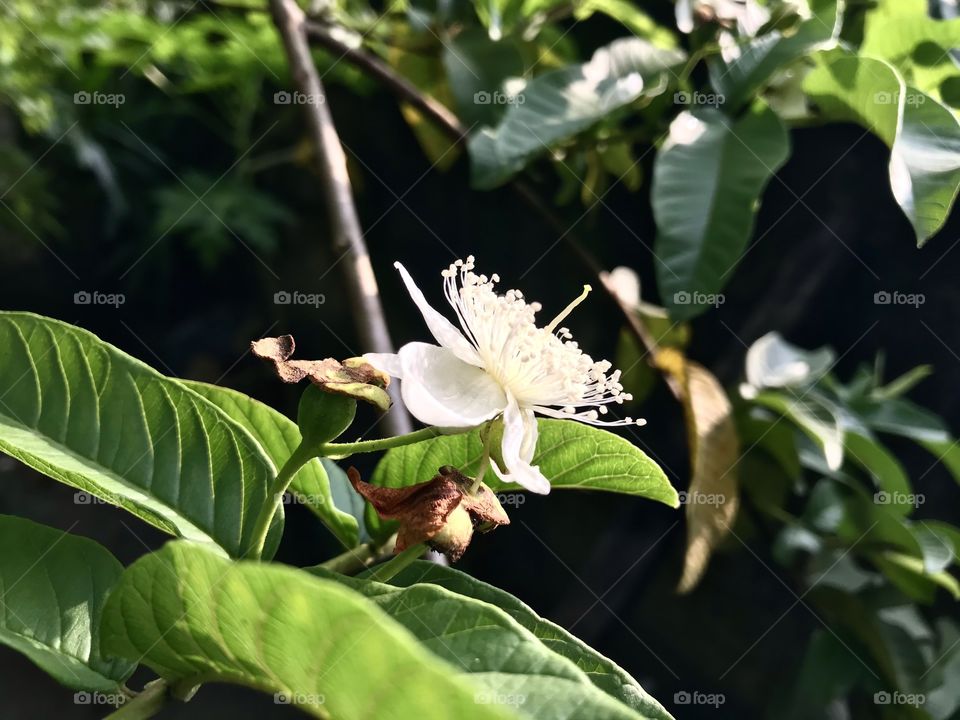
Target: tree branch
point(446, 121)
point(347, 240)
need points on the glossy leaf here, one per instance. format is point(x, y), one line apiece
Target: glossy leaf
point(82, 412)
point(707, 182)
point(570, 454)
point(758, 59)
point(195, 617)
point(559, 104)
point(601, 671)
point(279, 437)
point(923, 135)
point(54, 586)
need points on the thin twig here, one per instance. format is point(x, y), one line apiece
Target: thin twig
point(446, 121)
point(348, 242)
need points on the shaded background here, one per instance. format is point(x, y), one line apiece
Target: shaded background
point(829, 235)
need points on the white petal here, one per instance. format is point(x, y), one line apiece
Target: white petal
point(519, 443)
point(445, 332)
point(440, 389)
point(386, 362)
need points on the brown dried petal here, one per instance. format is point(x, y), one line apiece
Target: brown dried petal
point(354, 377)
point(422, 509)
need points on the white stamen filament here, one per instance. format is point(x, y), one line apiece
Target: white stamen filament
point(544, 371)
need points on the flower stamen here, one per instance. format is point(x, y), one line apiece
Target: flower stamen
point(569, 309)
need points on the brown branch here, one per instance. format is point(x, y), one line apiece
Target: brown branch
point(446, 121)
point(347, 240)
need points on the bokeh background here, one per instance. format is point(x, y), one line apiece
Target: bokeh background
point(102, 199)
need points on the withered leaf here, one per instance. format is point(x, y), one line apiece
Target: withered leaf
point(353, 377)
point(713, 496)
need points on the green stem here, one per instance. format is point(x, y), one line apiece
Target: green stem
point(341, 450)
point(487, 434)
point(391, 568)
point(359, 558)
point(300, 457)
point(145, 704)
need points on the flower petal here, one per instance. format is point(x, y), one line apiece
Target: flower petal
point(386, 362)
point(445, 332)
point(440, 389)
point(517, 448)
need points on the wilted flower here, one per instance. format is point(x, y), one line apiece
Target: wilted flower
point(442, 512)
point(499, 362)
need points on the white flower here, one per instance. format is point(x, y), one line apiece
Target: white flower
point(499, 362)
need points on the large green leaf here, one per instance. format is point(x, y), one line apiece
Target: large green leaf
point(600, 671)
point(196, 617)
point(571, 455)
point(759, 58)
point(279, 437)
point(504, 659)
point(923, 135)
point(903, 33)
point(82, 412)
point(707, 181)
point(561, 103)
point(53, 586)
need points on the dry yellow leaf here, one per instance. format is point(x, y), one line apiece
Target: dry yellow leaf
point(712, 499)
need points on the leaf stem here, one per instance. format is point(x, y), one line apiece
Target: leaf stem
point(340, 450)
point(300, 457)
point(359, 558)
point(389, 570)
point(144, 704)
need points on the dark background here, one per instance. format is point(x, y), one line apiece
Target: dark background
point(829, 235)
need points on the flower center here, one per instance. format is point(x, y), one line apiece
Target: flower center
point(543, 368)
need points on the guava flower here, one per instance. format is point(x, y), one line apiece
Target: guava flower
point(498, 362)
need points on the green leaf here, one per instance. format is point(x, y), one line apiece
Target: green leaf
point(570, 454)
point(917, 45)
point(707, 181)
point(559, 104)
point(279, 437)
point(740, 79)
point(887, 472)
point(923, 135)
point(907, 573)
point(476, 68)
point(603, 673)
point(82, 412)
point(818, 421)
point(195, 617)
point(53, 587)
